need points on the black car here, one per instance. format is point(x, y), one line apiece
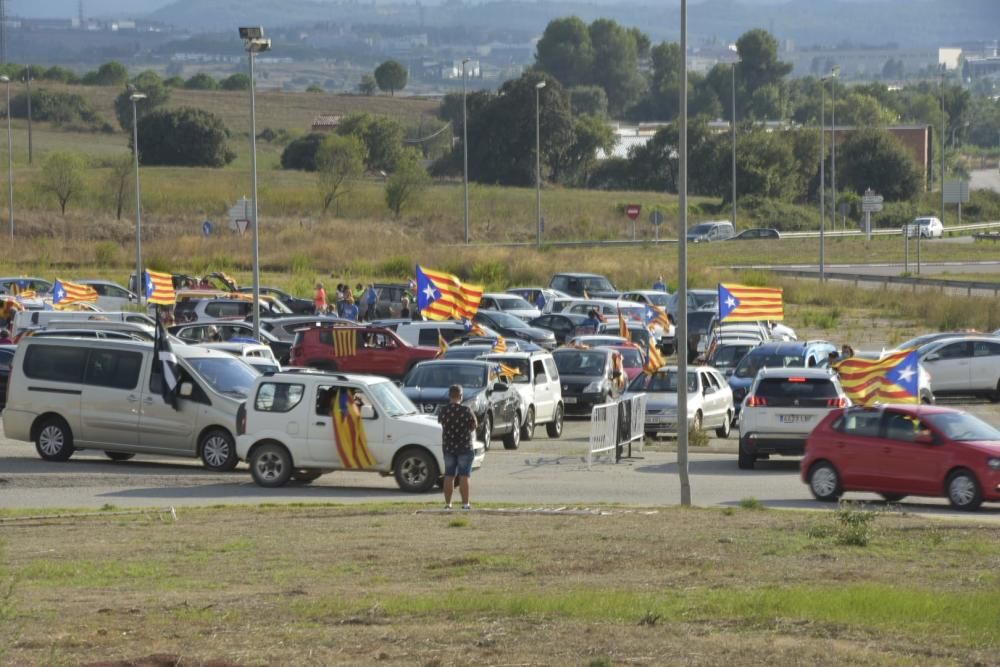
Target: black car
point(295, 304)
point(586, 285)
point(497, 405)
point(234, 332)
point(756, 234)
point(589, 377)
point(700, 324)
point(563, 325)
point(6, 358)
point(514, 327)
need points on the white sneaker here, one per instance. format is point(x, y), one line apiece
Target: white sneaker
point(448, 506)
point(467, 506)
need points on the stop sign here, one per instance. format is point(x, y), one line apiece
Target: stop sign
point(632, 211)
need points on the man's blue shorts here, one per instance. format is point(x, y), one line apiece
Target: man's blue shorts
point(458, 464)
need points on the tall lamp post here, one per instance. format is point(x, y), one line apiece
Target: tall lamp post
point(734, 139)
point(465, 150)
point(538, 162)
point(822, 180)
point(834, 72)
point(682, 323)
point(139, 286)
point(27, 82)
point(254, 41)
point(10, 164)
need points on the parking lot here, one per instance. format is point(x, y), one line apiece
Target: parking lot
point(542, 473)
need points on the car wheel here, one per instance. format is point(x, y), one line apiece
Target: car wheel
point(218, 451)
point(964, 492)
point(119, 456)
point(513, 439)
point(892, 497)
point(270, 465)
point(416, 470)
point(554, 428)
point(528, 428)
point(723, 431)
point(306, 475)
point(995, 397)
point(54, 440)
point(487, 434)
point(824, 482)
point(745, 457)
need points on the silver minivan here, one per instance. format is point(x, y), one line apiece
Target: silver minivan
point(68, 394)
point(713, 230)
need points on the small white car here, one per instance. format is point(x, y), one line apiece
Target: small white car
point(286, 430)
point(259, 356)
point(964, 365)
point(710, 400)
point(111, 296)
point(511, 304)
point(537, 381)
point(927, 227)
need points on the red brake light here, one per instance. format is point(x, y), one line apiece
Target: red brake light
point(796, 379)
point(756, 402)
point(837, 402)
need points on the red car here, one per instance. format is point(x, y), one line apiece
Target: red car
point(357, 349)
point(904, 450)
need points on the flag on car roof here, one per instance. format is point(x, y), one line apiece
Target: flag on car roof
point(475, 328)
point(159, 288)
point(508, 371)
point(165, 366)
point(622, 326)
point(442, 346)
point(349, 432)
point(741, 303)
point(653, 314)
point(654, 360)
point(442, 296)
point(65, 292)
point(893, 379)
point(500, 345)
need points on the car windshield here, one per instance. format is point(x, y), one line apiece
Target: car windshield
point(513, 303)
point(523, 375)
point(963, 426)
point(580, 362)
point(278, 307)
point(729, 355)
point(664, 381)
point(597, 284)
point(631, 357)
point(391, 399)
point(703, 299)
point(752, 363)
point(504, 320)
point(703, 228)
point(470, 376)
point(225, 374)
point(659, 298)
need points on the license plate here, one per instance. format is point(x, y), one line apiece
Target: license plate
point(569, 399)
point(794, 419)
point(653, 419)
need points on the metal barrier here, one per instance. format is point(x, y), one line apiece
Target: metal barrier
point(613, 426)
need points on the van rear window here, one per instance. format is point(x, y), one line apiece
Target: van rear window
point(56, 363)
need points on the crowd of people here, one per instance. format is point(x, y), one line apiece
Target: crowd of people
point(358, 304)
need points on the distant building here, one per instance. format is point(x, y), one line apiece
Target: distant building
point(325, 123)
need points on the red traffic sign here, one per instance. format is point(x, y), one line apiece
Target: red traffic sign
point(633, 210)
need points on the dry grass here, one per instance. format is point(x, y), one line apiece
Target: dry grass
point(324, 585)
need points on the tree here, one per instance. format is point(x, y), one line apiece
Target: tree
point(873, 158)
point(156, 94)
point(301, 153)
point(577, 162)
point(382, 138)
point(201, 81)
point(314, 88)
point(235, 82)
point(338, 160)
point(616, 64)
point(566, 52)
point(184, 137)
point(111, 73)
point(61, 74)
point(62, 175)
point(119, 180)
point(174, 82)
point(367, 86)
point(391, 76)
point(588, 100)
point(407, 182)
point(758, 66)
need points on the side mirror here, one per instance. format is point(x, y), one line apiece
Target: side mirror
point(924, 438)
point(499, 386)
point(186, 390)
point(367, 412)
point(933, 356)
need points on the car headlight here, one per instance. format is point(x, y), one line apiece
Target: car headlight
point(594, 387)
point(993, 463)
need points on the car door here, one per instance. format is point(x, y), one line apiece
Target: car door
point(709, 400)
point(984, 372)
point(544, 403)
point(161, 427)
point(950, 367)
point(110, 402)
point(908, 466)
point(857, 453)
point(324, 446)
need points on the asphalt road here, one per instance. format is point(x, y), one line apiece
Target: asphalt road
point(543, 473)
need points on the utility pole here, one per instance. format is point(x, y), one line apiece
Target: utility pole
point(682, 323)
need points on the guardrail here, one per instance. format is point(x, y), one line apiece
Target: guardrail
point(968, 285)
point(616, 425)
point(952, 229)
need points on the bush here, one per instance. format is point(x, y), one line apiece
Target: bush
point(106, 254)
point(854, 525)
point(201, 81)
point(184, 137)
point(235, 82)
point(301, 153)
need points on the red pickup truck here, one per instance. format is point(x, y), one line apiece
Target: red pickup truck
point(357, 349)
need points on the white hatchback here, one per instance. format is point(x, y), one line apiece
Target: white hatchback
point(926, 227)
point(710, 400)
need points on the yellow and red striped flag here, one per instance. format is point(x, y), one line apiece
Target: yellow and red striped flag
point(892, 379)
point(622, 326)
point(442, 296)
point(442, 346)
point(349, 433)
point(740, 303)
point(654, 360)
point(64, 292)
point(160, 288)
point(345, 342)
point(500, 345)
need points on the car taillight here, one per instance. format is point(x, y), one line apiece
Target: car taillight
point(241, 419)
point(837, 402)
point(756, 402)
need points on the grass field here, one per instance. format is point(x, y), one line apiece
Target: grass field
point(328, 585)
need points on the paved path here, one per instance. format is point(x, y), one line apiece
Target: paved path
point(985, 179)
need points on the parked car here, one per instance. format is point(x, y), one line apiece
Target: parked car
point(782, 407)
point(514, 327)
point(756, 234)
point(648, 296)
point(633, 359)
point(713, 230)
point(499, 409)
point(15, 285)
point(357, 349)
point(537, 380)
point(510, 304)
point(469, 351)
point(927, 227)
point(963, 366)
point(697, 299)
point(598, 340)
point(700, 325)
point(390, 299)
point(39, 319)
point(83, 333)
point(710, 401)
point(898, 451)
point(259, 356)
point(725, 355)
point(200, 310)
point(294, 304)
point(777, 354)
point(110, 295)
point(589, 377)
point(230, 332)
point(286, 430)
point(6, 359)
point(70, 394)
point(532, 294)
point(589, 285)
point(638, 333)
point(426, 333)
point(131, 330)
point(608, 309)
point(285, 328)
point(562, 325)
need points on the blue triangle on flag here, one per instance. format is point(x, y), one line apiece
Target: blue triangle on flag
point(727, 302)
point(906, 374)
point(427, 291)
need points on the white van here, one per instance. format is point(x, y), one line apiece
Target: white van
point(537, 381)
point(39, 319)
point(68, 394)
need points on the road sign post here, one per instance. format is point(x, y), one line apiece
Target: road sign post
point(239, 216)
point(870, 203)
point(632, 211)
point(956, 192)
point(656, 219)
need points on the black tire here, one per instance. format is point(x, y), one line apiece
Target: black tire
point(963, 490)
point(416, 470)
point(513, 439)
point(487, 431)
point(554, 428)
point(306, 475)
point(54, 440)
point(528, 428)
point(119, 456)
point(995, 396)
point(723, 431)
point(217, 450)
point(892, 497)
point(270, 465)
point(745, 458)
point(824, 482)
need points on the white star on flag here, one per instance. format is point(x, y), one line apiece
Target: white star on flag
point(731, 302)
point(429, 293)
point(906, 373)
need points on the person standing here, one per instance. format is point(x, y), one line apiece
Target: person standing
point(319, 300)
point(350, 310)
point(404, 310)
point(371, 298)
point(659, 285)
point(458, 423)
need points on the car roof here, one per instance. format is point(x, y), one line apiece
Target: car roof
point(814, 373)
point(773, 346)
point(910, 408)
point(573, 274)
point(297, 374)
point(570, 348)
point(983, 337)
point(451, 362)
point(517, 354)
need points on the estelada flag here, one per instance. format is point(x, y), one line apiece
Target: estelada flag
point(159, 288)
point(442, 296)
point(622, 327)
point(66, 292)
point(892, 379)
point(349, 432)
point(500, 345)
point(345, 342)
point(740, 303)
point(442, 346)
point(654, 360)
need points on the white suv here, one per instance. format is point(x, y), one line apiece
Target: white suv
point(537, 381)
point(286, 431)
point(782, 408)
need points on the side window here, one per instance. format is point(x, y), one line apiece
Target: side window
point(325, 395)
point(902, 427)
point(198, 394)
point(985, 349)
point(278, 396)
point(428, 337)
point(55, 363)
point(113, 368)
point(954, 351)
point(859, 423)
point(539, 371)
point(550, 366)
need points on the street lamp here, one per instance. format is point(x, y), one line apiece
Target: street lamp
point(254, 41)
point(27, 82)
point(139, 286)
point(10, 164)
point(834, 72)
point(538, 161)
point(734, 139)
point(465, 151)
point(682, 277)
point(822, 180)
